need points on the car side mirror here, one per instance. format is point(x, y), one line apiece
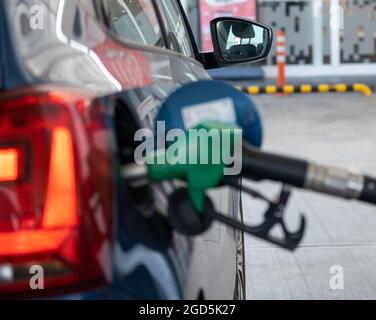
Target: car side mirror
point(237, 41)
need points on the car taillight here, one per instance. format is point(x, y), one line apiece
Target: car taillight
point(42, 221)
point(8, 164)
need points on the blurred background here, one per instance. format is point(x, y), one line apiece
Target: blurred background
point(324, 38)
point(327, 41)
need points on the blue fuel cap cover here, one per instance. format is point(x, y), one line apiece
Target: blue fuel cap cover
point(209, 100)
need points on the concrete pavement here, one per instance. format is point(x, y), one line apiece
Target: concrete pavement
point(338, 129)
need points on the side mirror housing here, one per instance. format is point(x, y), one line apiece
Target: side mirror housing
point(237, 41)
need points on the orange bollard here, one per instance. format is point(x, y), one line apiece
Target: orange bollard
point(281, 58)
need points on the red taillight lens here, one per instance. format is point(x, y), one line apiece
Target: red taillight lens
point(41, 209)
point(61, 198)
point(8, 164)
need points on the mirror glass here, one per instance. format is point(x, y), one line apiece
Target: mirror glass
point(242, 40)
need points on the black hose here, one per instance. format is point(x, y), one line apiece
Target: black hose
point(333, 181)
point(267, 166)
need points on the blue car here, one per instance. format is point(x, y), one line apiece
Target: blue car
point(77, 80)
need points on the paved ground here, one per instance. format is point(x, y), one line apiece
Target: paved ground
point(334, 129)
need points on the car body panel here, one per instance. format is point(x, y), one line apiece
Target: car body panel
point(75, 50)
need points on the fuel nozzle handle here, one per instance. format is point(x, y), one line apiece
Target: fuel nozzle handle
point(308, 175)
point(368, 193)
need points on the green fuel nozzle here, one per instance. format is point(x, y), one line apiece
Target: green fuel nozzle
point(198, 157)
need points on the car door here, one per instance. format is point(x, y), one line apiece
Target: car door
point(171, 67)
point(171, 63)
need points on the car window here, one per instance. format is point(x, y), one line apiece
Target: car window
point(135, 21)
point(177, 34)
